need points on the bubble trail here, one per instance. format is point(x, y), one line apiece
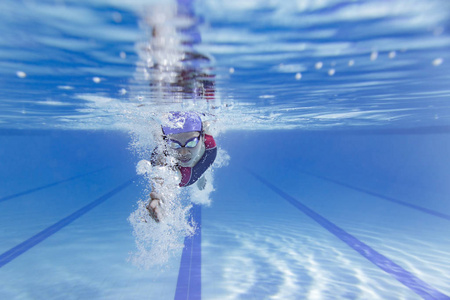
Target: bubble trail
point(405, 277)
point(23, 247)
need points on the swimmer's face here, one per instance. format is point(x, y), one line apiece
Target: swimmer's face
point(187, 147)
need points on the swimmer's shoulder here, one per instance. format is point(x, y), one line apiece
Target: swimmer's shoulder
point(207, 128)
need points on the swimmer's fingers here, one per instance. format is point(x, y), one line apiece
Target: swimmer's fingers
point(154, 209)
point(154, 204)
point(156, 196)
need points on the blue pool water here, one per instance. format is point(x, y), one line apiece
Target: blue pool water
point(332, 122)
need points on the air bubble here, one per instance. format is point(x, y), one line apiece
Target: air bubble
point(438, 61)
point(21, 74)
point(373, 55)
point(318, 65)
point(65, 87)
point(96, 79)
point(298, 76)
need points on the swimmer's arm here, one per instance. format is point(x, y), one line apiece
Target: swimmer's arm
point(158, 182)
point(201, 183)
point(145, 167)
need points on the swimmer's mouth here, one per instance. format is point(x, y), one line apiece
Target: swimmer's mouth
point(185, 160)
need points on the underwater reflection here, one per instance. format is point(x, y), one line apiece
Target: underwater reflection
point(170, 63)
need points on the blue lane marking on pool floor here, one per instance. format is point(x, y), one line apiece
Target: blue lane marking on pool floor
point(390, 199)
point(189, 284)
point(49, 185)
point(408, 279)
point(14, 252)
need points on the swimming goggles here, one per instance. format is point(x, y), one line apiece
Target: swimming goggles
point(191, 143)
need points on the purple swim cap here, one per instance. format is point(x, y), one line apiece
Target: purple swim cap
point(179, 122)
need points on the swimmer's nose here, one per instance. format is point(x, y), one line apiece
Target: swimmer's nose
point(184, 152)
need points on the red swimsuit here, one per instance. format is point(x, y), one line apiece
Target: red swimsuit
point(190, 175)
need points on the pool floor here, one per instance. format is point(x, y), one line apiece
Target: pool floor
point(345, 216)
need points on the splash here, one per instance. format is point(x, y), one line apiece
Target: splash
point(170, 76)
point(157, 242)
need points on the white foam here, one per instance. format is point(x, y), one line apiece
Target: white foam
point(157, 242)
point(65, 87)
point(290, 68)
point(143, 167)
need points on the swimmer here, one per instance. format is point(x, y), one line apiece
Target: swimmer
point(188, 141)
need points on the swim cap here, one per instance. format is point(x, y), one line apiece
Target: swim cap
point(179, 122)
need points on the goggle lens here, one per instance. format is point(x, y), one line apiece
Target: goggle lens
point(192, 143)
point(189, 144)
point(173, 144)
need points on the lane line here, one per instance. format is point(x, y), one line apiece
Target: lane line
point(189, 283)
point(383, 197)
point(23, 247)
point(9, 197)
point(405, 277)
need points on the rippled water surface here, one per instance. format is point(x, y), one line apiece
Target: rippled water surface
point(282, 64)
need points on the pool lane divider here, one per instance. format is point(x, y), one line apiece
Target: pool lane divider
point(5, 198)
point(405, 277)
point(383, 197)
point(23, 247)
point(189, 283)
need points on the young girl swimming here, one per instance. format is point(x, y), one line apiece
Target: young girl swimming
point(187, 140)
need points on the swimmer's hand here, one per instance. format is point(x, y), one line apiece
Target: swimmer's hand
point(154, 206)
point(201, 183)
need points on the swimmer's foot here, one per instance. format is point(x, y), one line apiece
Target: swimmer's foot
point(153, 208)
